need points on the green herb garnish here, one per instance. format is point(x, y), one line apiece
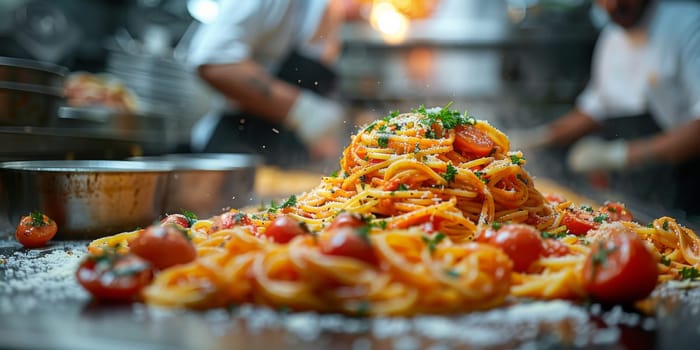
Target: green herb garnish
point(665, 225)
point(545, 235)
point(496, 225)
point(190, 216)
point(665, 260)
point(433, 242)
point(383, 140)
point(450, 173)
point(600, 218)
point(290, 202)
point(689, 273)
point(587, 208)
point(37, 219)
point(516, 159)
point(452, 273)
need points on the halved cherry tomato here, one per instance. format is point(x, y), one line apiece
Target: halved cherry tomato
point(35, 230)
point(230, 219)
point(349, 242)
point(522, 243)
point(347, 219)
point(284, 228)
point(470, 140)
point(579, 221)
point(554, 247)
point(177, 219)
point(113, 277)
point(616, 211)
point(163, 246)
point(620, 270)
point(556, 198)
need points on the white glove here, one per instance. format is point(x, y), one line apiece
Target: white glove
point(531, 138)
point(593, 153)
point(314, 117)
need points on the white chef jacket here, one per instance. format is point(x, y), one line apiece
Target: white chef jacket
point(265, 31)
point(661, 76)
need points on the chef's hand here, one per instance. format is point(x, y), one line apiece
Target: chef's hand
point(592, 154)
point(317, 121)
point(529, 139)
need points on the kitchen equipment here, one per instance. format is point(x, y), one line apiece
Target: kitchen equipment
point(27, 104)
point(207, 184)
point(87, 199)
point(32, 72)
point(30, 91)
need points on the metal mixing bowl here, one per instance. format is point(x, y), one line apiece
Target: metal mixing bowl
point(207, 183)
point(87, 199)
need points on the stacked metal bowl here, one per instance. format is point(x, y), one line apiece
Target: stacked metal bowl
point(30, 91)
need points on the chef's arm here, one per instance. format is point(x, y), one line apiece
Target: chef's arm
point(570, 127)
point(255, 91)
point(674, 146)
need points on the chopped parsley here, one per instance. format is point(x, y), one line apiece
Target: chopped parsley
point(383, 140)
point(240, 216)
point(394, 114)
point(382, 224)
point(650, 225)
point(190, 216)
point(587, 208)
point(600, 257)
point(480, 175)
point(371, 126)
point(689, 273)
point(452, 273)
point(600, 218)
point(665, 225)
point(545, 234)
point(402, 187)
point(665, 260)
point(37, 219)
point(290, 202)
point(430, 134)
point(433, 242)
point(516, 159)
point(496, 225)
point(363, 308)
point(450, 173)
point(448, 118)
point(334, 174)
point(363, 231)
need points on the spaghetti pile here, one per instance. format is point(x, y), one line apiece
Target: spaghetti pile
point(425, 184)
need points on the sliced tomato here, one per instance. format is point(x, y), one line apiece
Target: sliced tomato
point(620, 269)
point(230, 219)
point(112, 277)
point(35, 230)
point(470, 140)
point(164, 246)
point(579, 221)
point(177, 219)
point(348, 242)
point(522, 243)
point(284, 228)
point(616, 211)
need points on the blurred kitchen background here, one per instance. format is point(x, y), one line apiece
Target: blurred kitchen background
point(517, 63)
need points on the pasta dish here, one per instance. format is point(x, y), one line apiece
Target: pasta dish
point(429, 212)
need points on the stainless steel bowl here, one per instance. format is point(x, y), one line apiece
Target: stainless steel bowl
point(87, 199)
point(208, 183)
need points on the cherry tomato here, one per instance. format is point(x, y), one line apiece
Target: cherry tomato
point(113, 277)
point(230, 219)
point(177, 219)
point(522, 243)
point(349, 242)
point(620, 270)
point(432, 225)
point(555, 198)
point(283, 228)
point(35, 230)
point(347, 219)
point(471, 140)
point(554, 247)
point(616, 211)
point(163, 246)
point(579, 221)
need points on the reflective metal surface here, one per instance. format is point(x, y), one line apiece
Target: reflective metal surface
point(87, 199)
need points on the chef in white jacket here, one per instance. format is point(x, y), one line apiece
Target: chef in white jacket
point(271, 62)
point(646, 62)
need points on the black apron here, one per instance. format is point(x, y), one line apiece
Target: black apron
point(243, 132)
point(668, 186)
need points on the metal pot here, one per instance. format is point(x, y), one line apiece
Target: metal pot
point(32, 72)
point(28, 105)
point(87, 199)
point(208, 184)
